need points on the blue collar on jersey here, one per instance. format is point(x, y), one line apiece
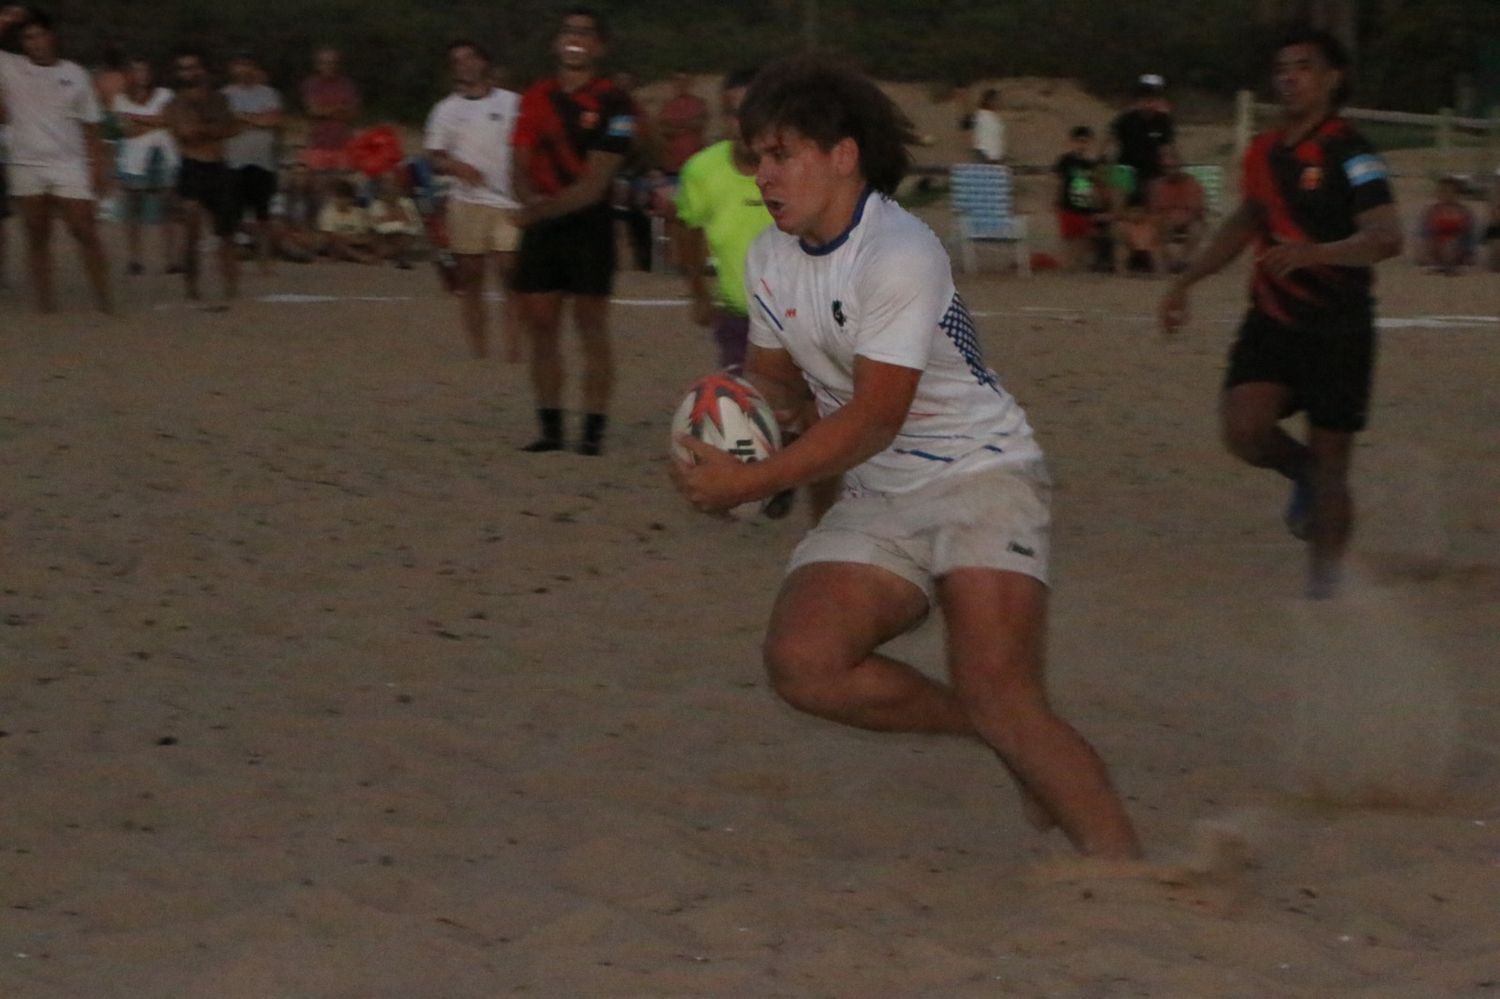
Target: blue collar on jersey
point(824, 249)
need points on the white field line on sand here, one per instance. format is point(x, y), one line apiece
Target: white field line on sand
point(1025, 311)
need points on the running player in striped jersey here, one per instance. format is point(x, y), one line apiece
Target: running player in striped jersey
point(1318, 208)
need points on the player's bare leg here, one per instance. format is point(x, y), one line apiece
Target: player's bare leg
point(36, 218)
point(1332, 508)
point(591, 317)
point(1251, 415)
point(78, 216)
point(229, 268)
point(829, 619)
point(468, 281)
point(192, 235)
point(511, 335)
point(996, 636)
point(541, 313)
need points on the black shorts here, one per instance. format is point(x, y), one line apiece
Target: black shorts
point(573, 254)
point(4, 194)
point(212, 186)
point(254, 187)
point(1328, 363)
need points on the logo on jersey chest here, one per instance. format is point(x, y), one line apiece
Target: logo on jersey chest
point(838, 313)
point(1311, 179)
point(589, 119)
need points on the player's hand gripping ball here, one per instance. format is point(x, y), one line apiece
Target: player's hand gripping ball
point(726, 412)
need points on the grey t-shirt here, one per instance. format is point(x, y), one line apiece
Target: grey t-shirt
point(253, 146)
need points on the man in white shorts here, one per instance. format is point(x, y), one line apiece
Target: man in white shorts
point(945, 495)
point(58, 164)
point(469, 139)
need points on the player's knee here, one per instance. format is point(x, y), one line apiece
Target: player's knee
point(1016, 724)
point(1246, 440)
point(798, 673)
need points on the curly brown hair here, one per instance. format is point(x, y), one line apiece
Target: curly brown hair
point(825, 102)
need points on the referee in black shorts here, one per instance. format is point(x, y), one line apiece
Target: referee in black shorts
point(1317, 205)
point(573, 134)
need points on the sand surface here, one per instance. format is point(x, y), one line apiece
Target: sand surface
point(311, 685)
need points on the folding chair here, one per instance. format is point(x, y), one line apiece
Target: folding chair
point(984, 212)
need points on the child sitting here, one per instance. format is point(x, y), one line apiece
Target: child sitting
point(345, 226)
point(396, 222)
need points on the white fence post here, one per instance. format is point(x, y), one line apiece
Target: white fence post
point(1244, 123)
point(1445, 139)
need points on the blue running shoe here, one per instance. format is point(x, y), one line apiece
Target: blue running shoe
point(1298, 516)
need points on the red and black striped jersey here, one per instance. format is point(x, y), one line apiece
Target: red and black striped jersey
point(1312, 192)
point(561, 128)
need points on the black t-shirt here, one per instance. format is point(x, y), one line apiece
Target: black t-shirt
point(1312, 193)
point(1140, 134)
point(1076, 183)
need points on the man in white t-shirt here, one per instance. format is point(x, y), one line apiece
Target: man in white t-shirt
point(468, 137)
point(946, 496)
point(989, 129)
point(58, 164)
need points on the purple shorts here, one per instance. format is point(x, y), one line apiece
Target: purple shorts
point(732, 335)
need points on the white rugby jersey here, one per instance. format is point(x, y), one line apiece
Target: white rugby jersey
point(884, 290)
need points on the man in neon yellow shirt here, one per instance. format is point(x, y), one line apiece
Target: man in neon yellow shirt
point(721, 210)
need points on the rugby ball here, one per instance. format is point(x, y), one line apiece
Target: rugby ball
point(725, 411)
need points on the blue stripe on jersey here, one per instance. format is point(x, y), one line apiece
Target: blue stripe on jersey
point(959, 326)
point(922, 454)
point(769, 314)
point(1364, 168)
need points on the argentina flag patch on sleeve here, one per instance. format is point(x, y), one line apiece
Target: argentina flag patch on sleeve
point(621, 126)
point(1364, 168)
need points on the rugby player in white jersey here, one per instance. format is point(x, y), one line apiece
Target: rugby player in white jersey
point(945, 498)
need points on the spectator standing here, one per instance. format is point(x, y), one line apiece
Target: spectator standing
point(58, 163)
point(1140, 133)
point(251, 152)
point(683, 124)
point(575, 130)
point(1078, 204)
point(468, 137)
point(331, 102)
point(1179, 214)
point(147, 164)
point(634, 184)
point(988, 142)
point(200, 121)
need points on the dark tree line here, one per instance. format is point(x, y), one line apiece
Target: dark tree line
point(1413, 54)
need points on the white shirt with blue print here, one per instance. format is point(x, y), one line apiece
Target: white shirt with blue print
point(884, 290)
